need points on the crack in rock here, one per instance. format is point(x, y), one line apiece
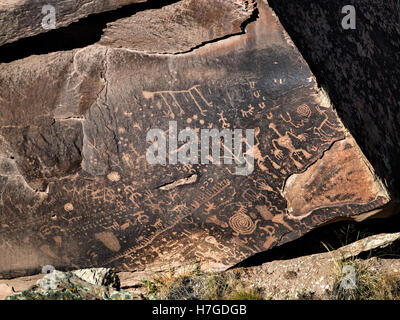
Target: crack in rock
point(181, 182)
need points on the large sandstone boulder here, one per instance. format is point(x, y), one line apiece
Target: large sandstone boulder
point(77, 188)
point(23, 18)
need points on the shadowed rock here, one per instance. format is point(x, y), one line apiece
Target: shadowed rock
point(358, 68)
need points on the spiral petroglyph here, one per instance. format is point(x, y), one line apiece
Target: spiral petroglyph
point(242, 223)
point(304, 110)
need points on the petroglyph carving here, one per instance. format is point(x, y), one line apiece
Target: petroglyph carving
point(304, 110)
point(248, 112)
point(170, 99)
point(242, 223)
point(327, 128)
point(223, 120)
point(286, 142)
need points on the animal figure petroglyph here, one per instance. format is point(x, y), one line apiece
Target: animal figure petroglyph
point(191, 95)
point(322, 129)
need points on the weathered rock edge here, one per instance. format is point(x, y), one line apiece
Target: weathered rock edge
point(22, 19)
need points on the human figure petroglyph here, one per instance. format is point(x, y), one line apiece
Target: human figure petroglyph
point(193, 94)
point(249, 111)
point(223, 120)
point(285, 141)
point(209, 208)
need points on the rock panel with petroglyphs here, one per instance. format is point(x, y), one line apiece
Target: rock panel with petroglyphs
point(77, 191)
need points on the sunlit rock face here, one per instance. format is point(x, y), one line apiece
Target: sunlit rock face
point(25, 18)
point(84, 183)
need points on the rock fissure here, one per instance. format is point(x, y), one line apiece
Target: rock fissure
point(310, 165)
point(180, 182)
point(70, 37)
